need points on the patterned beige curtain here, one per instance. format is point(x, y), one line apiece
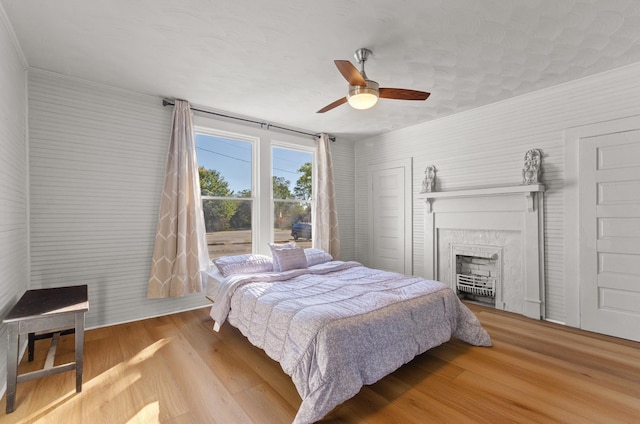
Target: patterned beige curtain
point(326, 225)
point(180, 251)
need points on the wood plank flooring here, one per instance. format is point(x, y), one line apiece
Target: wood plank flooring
point(176, 370)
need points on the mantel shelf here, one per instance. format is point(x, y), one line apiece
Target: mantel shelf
point(526, 189)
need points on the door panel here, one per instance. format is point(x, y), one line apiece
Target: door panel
point(619, 156)
point(389, 227)
point(618, 192)
point(619, 227)
point(609, 221)
point(388, 219)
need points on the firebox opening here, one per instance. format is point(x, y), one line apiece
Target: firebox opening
point(477, 278)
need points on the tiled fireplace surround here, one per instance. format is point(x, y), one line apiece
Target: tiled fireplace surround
point(509, 219)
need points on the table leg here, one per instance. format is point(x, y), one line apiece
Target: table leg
point(31, 346)
point(12, 365)
point(79, 349)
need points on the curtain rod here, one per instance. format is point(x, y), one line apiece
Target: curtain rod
point(166, 102)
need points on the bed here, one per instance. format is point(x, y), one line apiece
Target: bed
point(335, 326)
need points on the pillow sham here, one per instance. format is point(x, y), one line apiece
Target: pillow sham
point(290, 258)
point(274, 248)
point(317, 256)
point(243, 264)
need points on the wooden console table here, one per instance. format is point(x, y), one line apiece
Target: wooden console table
point(46, 310)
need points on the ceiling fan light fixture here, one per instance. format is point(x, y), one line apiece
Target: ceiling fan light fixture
point(363, 97)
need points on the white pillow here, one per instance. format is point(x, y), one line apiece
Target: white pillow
point(274, 247)
point(243, 264)
point(290, 258)
point(317, 256)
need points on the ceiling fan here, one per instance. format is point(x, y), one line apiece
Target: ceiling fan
point(364, 93)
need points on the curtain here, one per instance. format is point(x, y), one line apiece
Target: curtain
point(180, 250)
point(326, 225)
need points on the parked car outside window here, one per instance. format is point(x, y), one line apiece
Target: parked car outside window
point(301, 230)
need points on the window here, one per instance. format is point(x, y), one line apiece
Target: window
point(225, 166)
point(292, 182)
point(255, 185)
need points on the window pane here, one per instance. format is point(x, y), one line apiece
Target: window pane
point(292, 180)
point(224, 165)
point(225, 168)
point(228, 224)
point(291, 173)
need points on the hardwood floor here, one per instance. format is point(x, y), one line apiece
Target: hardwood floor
point(175, 369)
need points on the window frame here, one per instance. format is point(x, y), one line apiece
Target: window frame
point(262, 210)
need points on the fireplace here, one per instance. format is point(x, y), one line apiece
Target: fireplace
point(500, 228)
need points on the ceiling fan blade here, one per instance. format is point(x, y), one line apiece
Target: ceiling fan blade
point(403, 94)
point(333, 105)
point(350, 73)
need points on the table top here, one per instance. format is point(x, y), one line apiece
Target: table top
point(43, 302)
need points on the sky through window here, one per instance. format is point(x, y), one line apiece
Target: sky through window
point(232, 159)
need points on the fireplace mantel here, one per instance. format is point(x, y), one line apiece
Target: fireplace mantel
point(478, 215)
point(527, 190)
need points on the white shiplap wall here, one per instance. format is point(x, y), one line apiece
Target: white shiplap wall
point(97, 157)
point(486, 146)
point(14, 277)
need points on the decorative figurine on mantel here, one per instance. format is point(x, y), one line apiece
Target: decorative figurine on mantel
point(429, 182)
point(532, 169)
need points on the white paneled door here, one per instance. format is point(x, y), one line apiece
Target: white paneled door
point(609, 220)
point(390, 244)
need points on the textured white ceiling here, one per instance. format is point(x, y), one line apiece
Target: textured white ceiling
point(273, 60)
